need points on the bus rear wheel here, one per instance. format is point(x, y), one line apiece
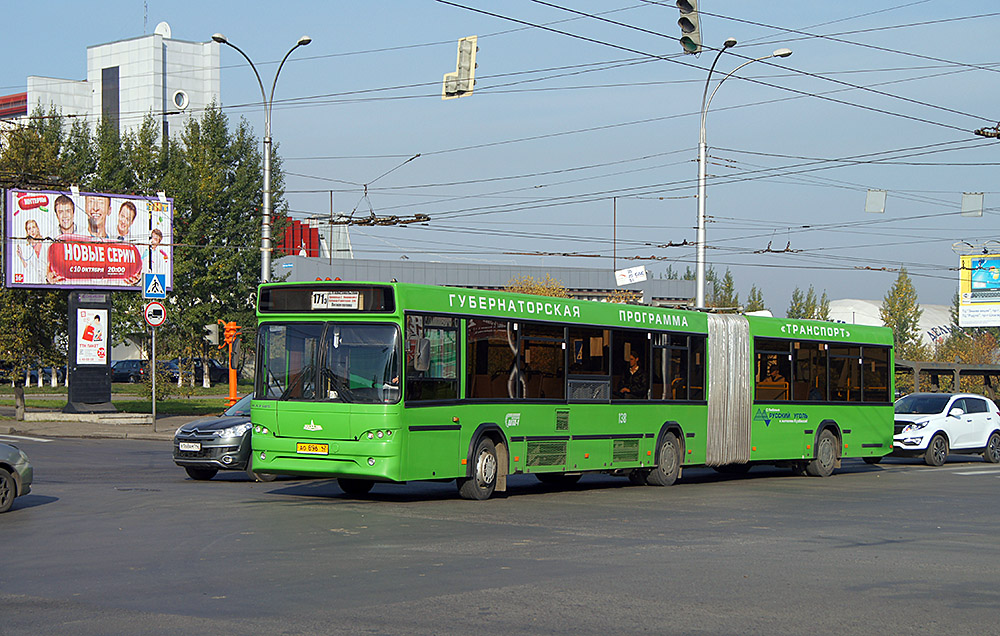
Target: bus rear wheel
point(484, 472)
point(826, 455)
point(355, 487)
point(668, 462)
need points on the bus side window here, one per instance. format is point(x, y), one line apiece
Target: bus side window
point(630, 365)
point(431, 358)
point(491, 347)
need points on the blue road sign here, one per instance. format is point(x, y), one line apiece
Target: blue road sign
point(154, 286)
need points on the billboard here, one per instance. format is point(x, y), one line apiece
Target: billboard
point(86, 240)
point(979, 291)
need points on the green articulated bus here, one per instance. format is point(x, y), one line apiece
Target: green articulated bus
point(391, 382)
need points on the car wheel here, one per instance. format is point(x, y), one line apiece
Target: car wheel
point(255, 476)
point(826, 455)
point(131, 379)
point(668, 462)
point(484, 473)
point(355, 487)
point(200, 474)
point(937, 451)
point(8, 490)
point(992, 452)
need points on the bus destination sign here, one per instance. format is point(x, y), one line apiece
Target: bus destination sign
point(335, 300)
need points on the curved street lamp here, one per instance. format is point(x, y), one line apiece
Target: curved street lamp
point(265, 230)
point(706, 101)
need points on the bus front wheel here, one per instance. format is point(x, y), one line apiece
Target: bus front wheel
point(484, 472)
point(668, 462)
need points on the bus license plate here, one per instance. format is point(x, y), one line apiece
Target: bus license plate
point(189, 446)
point(312, 449)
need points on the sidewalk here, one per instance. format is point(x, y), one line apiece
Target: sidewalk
point(163, 429)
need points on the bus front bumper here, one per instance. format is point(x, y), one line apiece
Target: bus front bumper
point(363, 459)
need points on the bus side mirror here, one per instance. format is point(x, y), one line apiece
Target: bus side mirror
point(422, 360)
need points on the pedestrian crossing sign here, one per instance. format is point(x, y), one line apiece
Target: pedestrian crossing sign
point(154, 286)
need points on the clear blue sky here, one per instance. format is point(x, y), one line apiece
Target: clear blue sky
point(559, 126)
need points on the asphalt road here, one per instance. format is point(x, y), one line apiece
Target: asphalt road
point(115, 539)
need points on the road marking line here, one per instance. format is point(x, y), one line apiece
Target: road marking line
point(24, 438)
point(987, 471)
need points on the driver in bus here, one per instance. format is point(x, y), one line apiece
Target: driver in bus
point(635, 386)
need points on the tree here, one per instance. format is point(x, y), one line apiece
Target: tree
point(900, 311)
point(755, 300)
point(724, 294)
point(807, 306)
point(32, 322)
point(216, 178)
point(528, 285)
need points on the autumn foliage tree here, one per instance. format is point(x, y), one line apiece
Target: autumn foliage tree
point(547, 286)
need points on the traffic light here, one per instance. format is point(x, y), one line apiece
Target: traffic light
point(463, 79)
point(232, 331)
point(690, 29)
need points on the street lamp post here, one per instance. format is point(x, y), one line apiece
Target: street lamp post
point(706, 101)
point(265, 229)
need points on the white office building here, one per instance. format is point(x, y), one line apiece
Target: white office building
point(126, 80)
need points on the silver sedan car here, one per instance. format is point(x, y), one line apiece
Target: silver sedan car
point(15, 475)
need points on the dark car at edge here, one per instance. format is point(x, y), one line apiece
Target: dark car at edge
point(205, 446)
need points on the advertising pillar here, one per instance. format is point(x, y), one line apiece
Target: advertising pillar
point(89, 353)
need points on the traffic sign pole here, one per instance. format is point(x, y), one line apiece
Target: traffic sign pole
point(153, 373)
point(155, 314)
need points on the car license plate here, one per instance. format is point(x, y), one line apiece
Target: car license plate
point(312, 449)
point(190, 446)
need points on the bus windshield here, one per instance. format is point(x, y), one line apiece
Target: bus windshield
point(329, 362)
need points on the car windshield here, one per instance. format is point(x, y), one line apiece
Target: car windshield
point(241, 408)
point(921, 404)
point(330, 362)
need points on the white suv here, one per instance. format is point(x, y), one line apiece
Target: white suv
point(934, 424)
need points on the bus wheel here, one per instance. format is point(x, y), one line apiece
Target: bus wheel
point(484, 473)
point(826, 455)
point(937, 451)
point(355, 487)
point(558, 479)
point(668, 462)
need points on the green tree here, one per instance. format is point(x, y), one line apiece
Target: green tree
point(808, 306)
point(901, 312)
point(724, 293)
point(755, 300)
